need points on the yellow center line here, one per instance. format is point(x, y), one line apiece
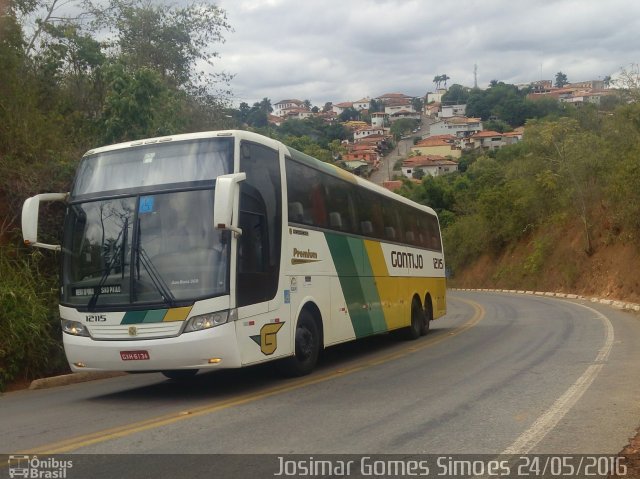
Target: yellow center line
point(167, 419)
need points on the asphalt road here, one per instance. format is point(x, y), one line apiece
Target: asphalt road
point(501, 373)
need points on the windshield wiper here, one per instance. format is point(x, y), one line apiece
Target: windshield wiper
point(156, 278)
point(118, 251)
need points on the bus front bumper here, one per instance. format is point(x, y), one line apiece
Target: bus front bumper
point(215, 348)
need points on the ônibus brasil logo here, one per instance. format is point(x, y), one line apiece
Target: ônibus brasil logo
point(36, 468)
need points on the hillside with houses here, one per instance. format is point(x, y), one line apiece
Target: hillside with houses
point(440, 126)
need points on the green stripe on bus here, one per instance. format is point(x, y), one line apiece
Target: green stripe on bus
point(360, 293)
point(155, 316)
point(133, 317)
point(372, 293)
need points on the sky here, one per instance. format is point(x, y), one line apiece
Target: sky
point(345, 50)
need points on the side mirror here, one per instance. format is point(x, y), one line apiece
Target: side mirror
point(30, 214)
point(226, 194)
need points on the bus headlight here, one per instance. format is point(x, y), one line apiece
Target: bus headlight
point(74, 327)
point(209, 320)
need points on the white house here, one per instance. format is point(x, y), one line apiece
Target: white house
point(365, 132)
point(433, 165)
point(340, 107)
point(377, 119)
point(459, 126)
point(363, 104)
point(437, 96)
point(448, 111)
point(283, 106)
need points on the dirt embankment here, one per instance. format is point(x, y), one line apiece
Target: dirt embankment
point(554, 259)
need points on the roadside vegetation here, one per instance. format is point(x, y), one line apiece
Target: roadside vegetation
point(112, 72)
point(575, 174)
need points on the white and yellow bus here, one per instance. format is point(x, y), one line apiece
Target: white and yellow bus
point(227, 249)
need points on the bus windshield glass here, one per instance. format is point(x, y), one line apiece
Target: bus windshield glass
point(148, 249)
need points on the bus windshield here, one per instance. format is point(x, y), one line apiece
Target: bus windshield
point(139, 227)
point(146, 249)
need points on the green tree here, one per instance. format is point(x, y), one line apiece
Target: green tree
point(402, 126)
point(456, 95)
point(166, 38)
point(132, 104)
point(417, 104)
point(561, 80)
point(349, 114)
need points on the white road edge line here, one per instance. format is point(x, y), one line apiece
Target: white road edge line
point(547, 421)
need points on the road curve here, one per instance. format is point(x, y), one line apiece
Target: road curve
point(500, 373)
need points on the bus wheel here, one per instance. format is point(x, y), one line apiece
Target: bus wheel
point(180, 374)
point(307, 347)
point(428, 316)
point(417, 321)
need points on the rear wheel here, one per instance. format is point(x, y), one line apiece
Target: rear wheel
point(428, 316)
point(307, 347)
point(180, 374)
point(414, 331)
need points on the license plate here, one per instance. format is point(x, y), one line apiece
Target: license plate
point(134, 355)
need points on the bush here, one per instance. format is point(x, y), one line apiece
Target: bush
point(30, 333)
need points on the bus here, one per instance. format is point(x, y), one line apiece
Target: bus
point(227, 249)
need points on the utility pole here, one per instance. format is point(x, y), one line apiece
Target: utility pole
point(475, 75)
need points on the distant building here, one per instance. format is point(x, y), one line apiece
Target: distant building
point(363, 104)
point(283, 106)
point(377, 119)
point(391, 97)
point(437, 96)
point(442, 145)
point(340, 107)
point(364, 132)
point(459, 126)
point(433, 165)
point(449, 111)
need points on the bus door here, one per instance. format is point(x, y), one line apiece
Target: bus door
point(262, 329)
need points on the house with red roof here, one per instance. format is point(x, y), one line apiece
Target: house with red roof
point(487, 140)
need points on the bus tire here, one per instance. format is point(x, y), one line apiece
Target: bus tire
point(428, 317)
point(180, 374)
point(307, 347)
point(414, 331)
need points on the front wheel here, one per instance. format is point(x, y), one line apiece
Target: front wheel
point(307, 348)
